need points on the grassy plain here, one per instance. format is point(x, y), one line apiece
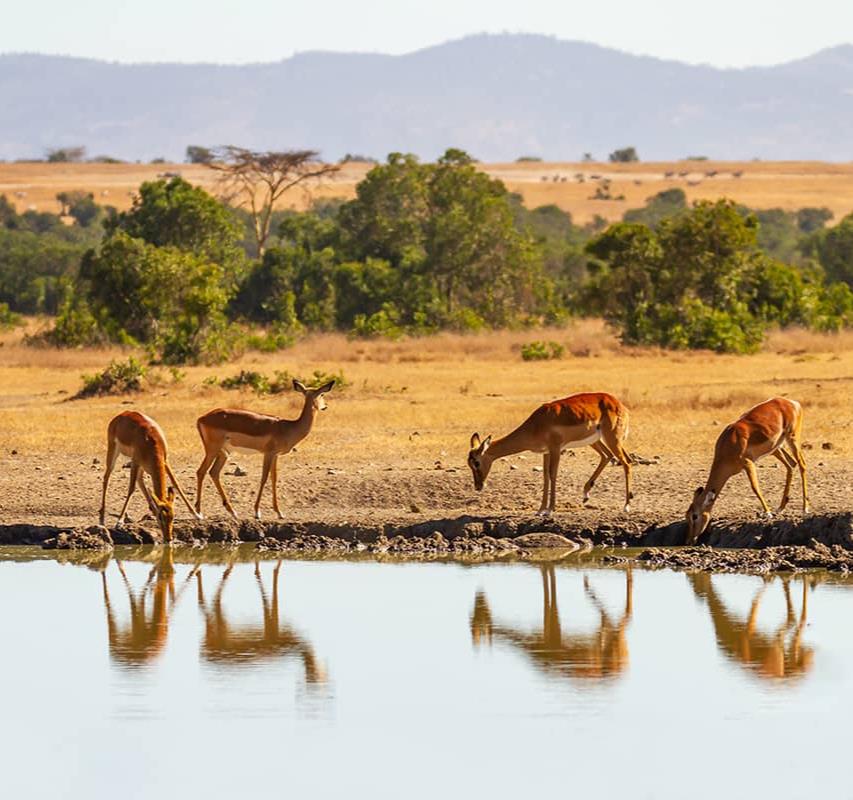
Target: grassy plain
point(571, 186)
point(394, 441)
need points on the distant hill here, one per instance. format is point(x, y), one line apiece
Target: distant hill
point(499, 97)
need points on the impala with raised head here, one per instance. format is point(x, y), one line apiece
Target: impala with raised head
point(593, 419)
point(141, 439)
point(225, 430)
point(764, 430)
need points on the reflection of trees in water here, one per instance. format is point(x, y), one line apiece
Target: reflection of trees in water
point(599, 654)
point(225, 642)
point(143, 638)
point(778, 654)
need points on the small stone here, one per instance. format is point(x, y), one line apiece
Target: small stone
point(239, 471)
point(827, 446)
point(537, 469)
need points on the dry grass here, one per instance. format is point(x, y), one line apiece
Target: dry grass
point(419, 400)
point(789, 184)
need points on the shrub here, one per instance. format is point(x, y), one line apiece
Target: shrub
point(282, 381)
point(8, 319)
point(541, 351)
point(120, 377)
point(247, 379)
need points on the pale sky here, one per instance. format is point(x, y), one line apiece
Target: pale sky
point(722, 32)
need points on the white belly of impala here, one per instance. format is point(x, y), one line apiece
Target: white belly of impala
point(586, 442)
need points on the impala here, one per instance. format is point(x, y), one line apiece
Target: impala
point(225, 430)
point(142, 440)
point(762, 431)
point(594, 419)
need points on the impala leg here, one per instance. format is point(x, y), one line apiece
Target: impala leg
point(749, 468)
point(265, 473)
point(615, 446)
point(181, 492)
point(134, 473)
point(555, 466)
point(206, 463)
point(788, 462)
point(112, 455)
point(218, 465)
point(605, 455)
point(140, 481)
point(274, 481)
point(546, 477)
point(801, 463)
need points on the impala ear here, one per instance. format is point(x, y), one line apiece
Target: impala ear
point(475, 441)
point(709, 499)
point(298, 386)
point(699, 490)
point(486, 442)
point(326, 387)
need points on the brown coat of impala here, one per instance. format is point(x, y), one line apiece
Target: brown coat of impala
point(594, 419)
point(225, 430)
point(141, 439)
point(764, 430)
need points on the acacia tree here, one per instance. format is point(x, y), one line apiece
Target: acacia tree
point(257, 181)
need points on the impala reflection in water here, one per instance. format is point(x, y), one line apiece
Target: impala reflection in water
point(597, 655)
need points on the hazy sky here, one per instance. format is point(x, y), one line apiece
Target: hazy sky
point(723, 32)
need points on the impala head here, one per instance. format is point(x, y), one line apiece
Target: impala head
point(315, 396)
point(699, 513)
point(478, 461)
point(166, 514)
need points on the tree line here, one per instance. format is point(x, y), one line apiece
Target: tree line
point(422, 247)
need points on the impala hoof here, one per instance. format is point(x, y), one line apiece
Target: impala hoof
point(585, 497)
point(768, 515)
point(627, 508)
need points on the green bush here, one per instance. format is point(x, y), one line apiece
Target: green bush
point(8, 319)
point(282, 381)
point(541, 351)
point(120, 377)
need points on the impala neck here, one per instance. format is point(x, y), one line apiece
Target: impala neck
point(158, 480)
point(508, 445)
point(306, 417)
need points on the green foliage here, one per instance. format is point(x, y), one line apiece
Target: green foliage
point(120, 377)
point(699, 281)
point(8, 319)
point(62, 155)
point(834, 249)
point(196, 154)
point(623, 155)
point(282, 381)
point(541, 351)
point(659, 207)
point(165, 297)
point(176, 214)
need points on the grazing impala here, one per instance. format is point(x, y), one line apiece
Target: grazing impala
point(224, 430)
point(594, 419)
point(762, 431)
point(141, 439)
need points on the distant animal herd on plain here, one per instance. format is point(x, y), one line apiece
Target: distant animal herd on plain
point(591, 419)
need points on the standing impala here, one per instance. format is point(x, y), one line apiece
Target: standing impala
point(593, 419)
point(141, 439)
point(761, 431)
point(224, 430)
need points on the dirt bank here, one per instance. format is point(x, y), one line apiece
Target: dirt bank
point(822, 541)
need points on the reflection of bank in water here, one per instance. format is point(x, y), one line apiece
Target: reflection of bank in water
point(780, 654)
point(600, 654)
point(143, 638)
point(226, 643)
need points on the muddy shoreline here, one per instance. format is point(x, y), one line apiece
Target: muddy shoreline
point(819, 541)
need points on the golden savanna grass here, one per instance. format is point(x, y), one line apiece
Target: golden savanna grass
point(789, 185)
point(417, 401)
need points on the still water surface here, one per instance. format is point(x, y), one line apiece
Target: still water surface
point(160, 674)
